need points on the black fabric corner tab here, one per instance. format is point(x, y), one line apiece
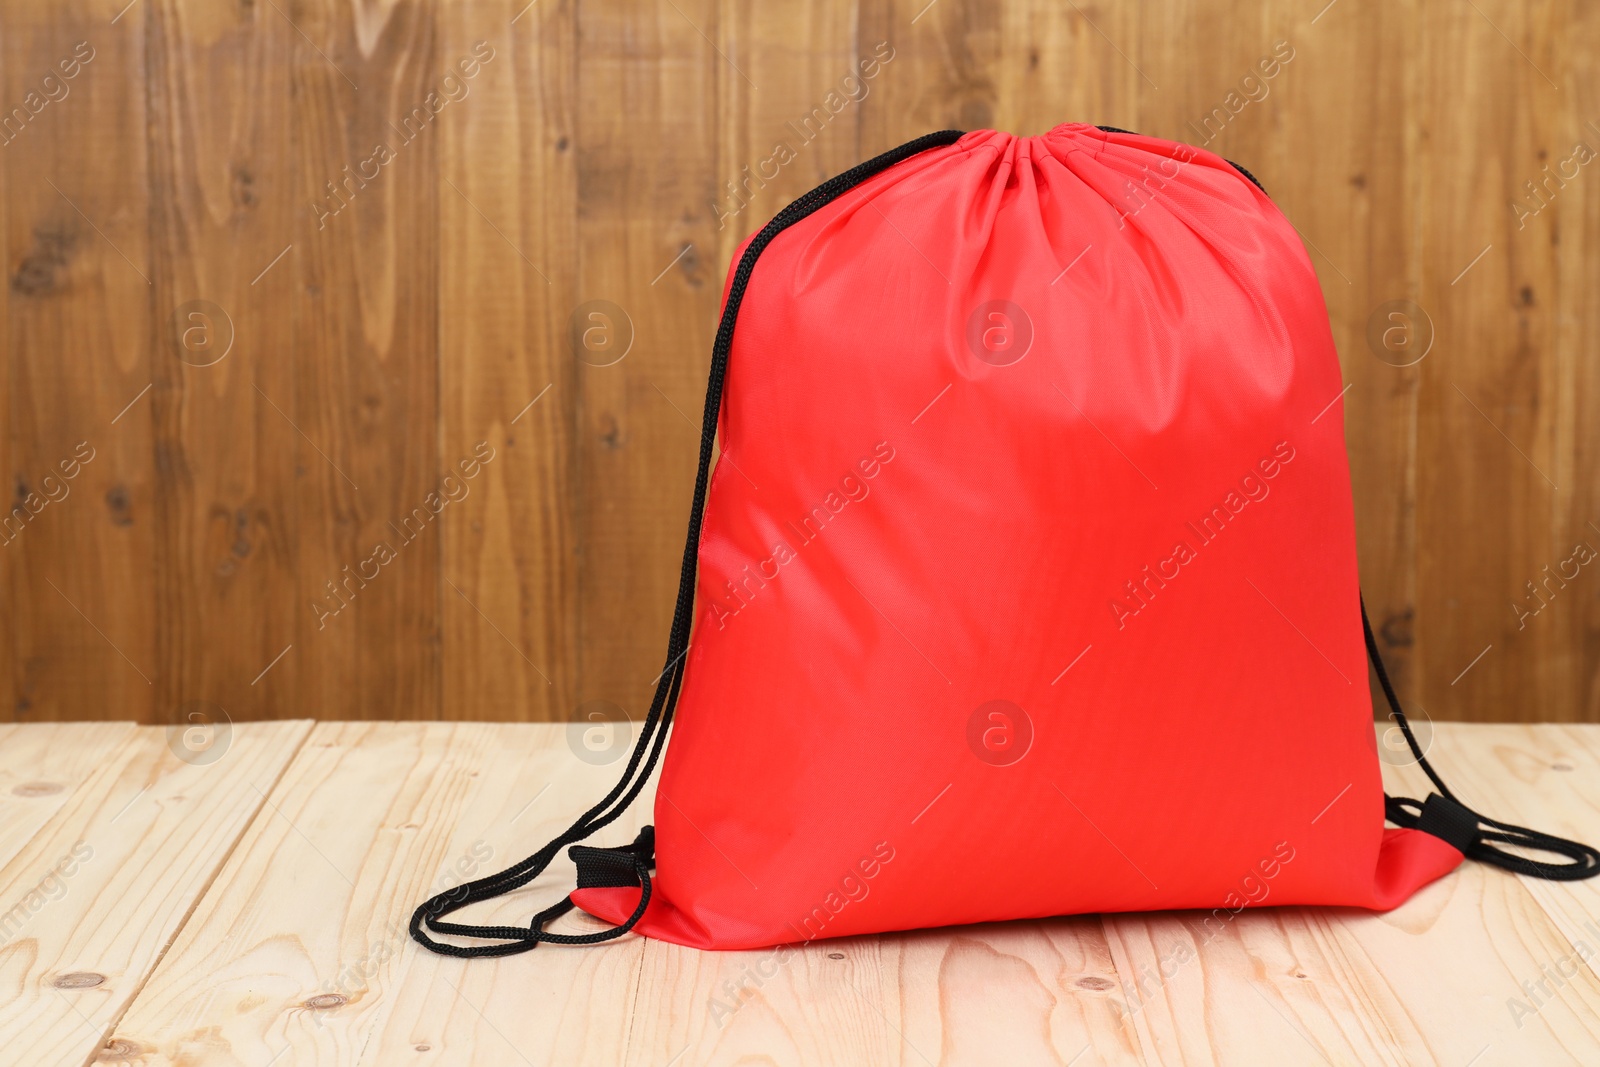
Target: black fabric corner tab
point(1449, 821)
point(612, 867)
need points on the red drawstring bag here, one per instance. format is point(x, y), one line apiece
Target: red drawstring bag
point(1026, 579)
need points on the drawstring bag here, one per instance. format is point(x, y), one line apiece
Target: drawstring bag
point(1025, 584)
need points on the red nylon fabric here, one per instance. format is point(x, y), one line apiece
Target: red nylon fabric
point(1027, 584)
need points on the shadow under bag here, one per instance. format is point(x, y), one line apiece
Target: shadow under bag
point(1026, 577)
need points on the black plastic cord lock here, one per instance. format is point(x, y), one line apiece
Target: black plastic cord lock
point(609, 867)
point(1454, 824)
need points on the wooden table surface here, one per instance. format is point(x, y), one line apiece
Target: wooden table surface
point(244, 902)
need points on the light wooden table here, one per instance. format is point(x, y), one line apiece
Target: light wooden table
point(251, 910)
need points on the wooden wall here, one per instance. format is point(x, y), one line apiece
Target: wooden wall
point(258, 341)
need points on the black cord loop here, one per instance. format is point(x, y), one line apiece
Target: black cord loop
point(426, 920)
point(1444, 815)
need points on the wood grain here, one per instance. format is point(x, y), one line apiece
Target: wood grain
point(40, 769)
point(97, 893)
point(222, 196)
point(779, 134)
point(1490, 431)
point(508, 380)
point(619, 152)
point(937, 996)
point(1427, 983)
point(373, 817)
point(371, 103)
point(298, 948)
point(80, 588)
point(301, 951)
point(649, 82)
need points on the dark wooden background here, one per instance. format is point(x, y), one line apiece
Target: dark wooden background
point(366, 352)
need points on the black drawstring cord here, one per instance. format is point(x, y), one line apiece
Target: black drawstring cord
point(637, 859)
point(1445, 816)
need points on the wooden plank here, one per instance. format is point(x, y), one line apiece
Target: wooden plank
point(507, 277)
point(1427, 982)
point(222, 174)
point(1023, 67)
point(300, 951)
point(80, 593)
point(1194, 1000)
point(9, 696)
point(942, 76)
point(362, 424)
point(650, 82)
point(1573, 646)
point(1060, 65)
point(795, 126)
point(42, 766)
point(1033, 992)
point(1493, 443)
point(101, 889)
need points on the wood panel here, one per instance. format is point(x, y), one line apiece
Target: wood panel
point(508, 380)
point(9, 697)
point(649, 82)
point(942, 75)
point(782, 135)
point(362, 428)
point(1490, 438)
point(98, 892)
point(80, 586)
point(222, 189)
point(370, 820)
point(42, 766)
point(221, 552)
point(1575, 650)
point(1015, 992)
